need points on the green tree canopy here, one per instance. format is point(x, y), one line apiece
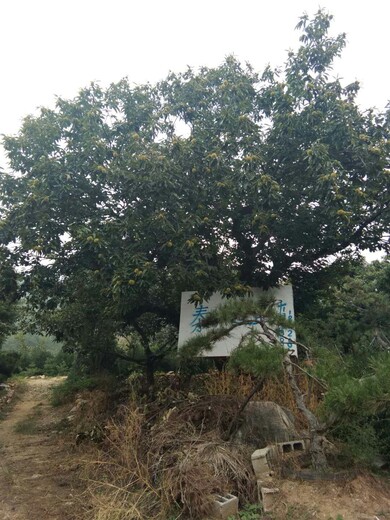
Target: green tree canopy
point(8, 295)
point(213, 179)
point(351, 313)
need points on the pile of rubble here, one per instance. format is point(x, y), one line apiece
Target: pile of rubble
point(265, 461)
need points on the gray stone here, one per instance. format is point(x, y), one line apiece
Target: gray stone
point(265, 422)
point(379, 462)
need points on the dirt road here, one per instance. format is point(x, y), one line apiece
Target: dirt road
point(38, 470)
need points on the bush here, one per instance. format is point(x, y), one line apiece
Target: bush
point(9, 364)
point(38, 355)
point(75, 383)
point(359, 408)
point(58, 365)
point(359, 442)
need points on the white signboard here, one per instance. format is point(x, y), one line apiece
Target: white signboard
point(191, 317)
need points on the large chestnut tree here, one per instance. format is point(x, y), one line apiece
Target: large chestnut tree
point(214, 179)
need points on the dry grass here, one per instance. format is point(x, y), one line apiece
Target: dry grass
point(9, 399)
point(226, 383)
point(8, 476)
point(29, 426)
point(149, 469)
point(92, 408)
point(275, 389)
point(193, 460)
point(119, 482)
point(167, 460)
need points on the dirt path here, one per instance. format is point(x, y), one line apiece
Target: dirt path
point(38, 469)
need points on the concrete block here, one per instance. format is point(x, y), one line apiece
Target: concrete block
point(268, 497)
point(260, 463)
point(264, 461)
point(291, 446)
point(225, 506)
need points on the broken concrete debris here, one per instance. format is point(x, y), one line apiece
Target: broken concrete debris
point(268, 497)
point(264, 463)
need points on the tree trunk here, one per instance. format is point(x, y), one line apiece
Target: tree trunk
point(149, 361)
point(149, 372)
point(318, 457)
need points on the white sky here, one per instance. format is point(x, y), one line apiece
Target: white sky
point(55, 47)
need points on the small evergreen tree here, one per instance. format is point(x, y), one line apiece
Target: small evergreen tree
point(259, 353)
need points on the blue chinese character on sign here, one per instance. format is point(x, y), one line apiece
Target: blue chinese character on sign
point(199, 313)
point(282, 311)
point(252, 324)
point(289, 332)
point(282, 308)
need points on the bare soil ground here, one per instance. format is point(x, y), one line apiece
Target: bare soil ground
point(38, 467)
point(363, 498)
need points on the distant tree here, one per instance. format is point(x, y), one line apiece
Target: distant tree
point(215, 179)
point(8, 295)
point(147, 342)
point(351, 313)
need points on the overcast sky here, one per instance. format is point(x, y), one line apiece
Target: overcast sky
point(55, 47)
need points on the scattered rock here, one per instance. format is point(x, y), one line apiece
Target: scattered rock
point(79, 404)
point(265, 422)
point(380, 463)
